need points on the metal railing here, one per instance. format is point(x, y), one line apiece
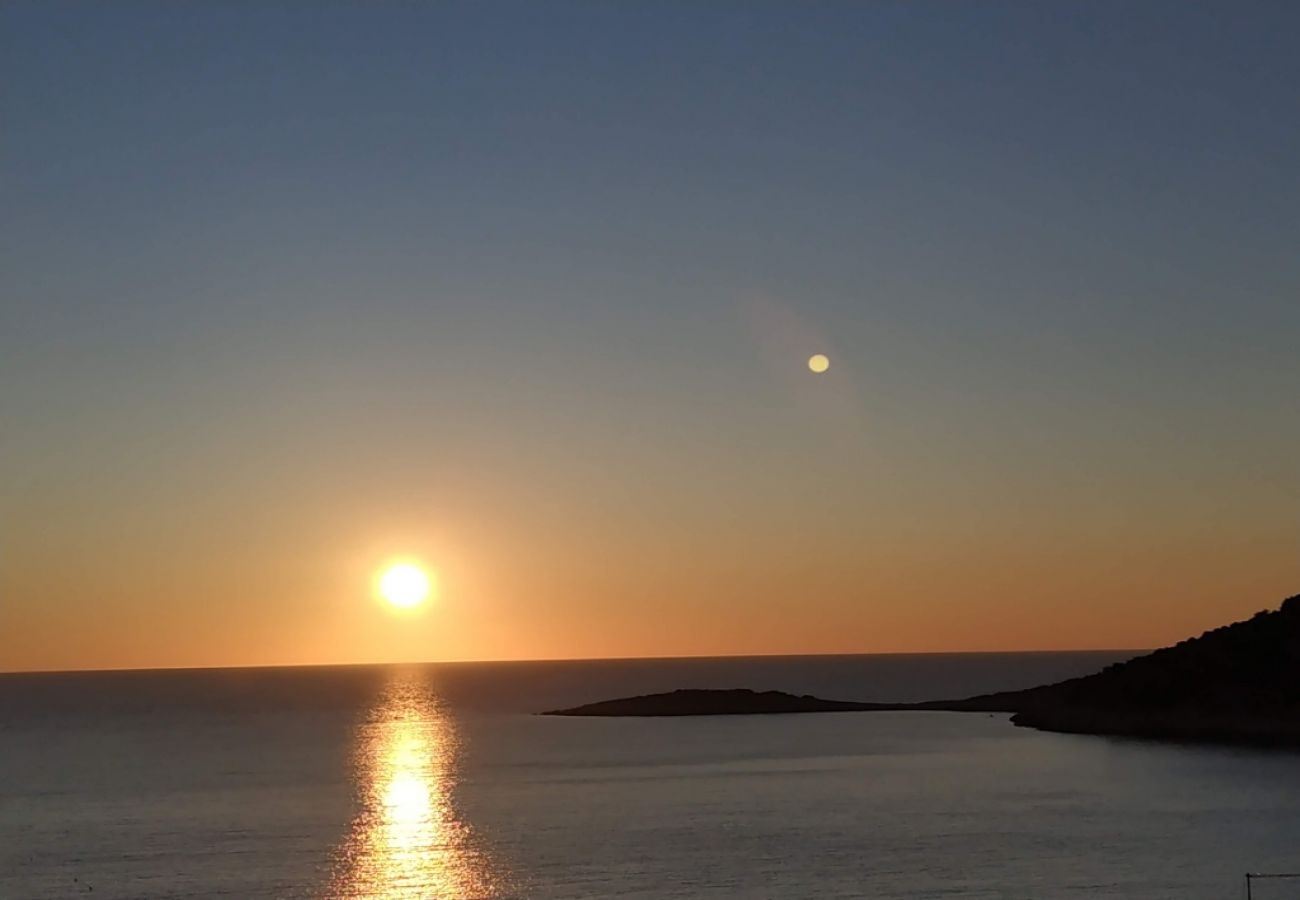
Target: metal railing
point(1259, 876)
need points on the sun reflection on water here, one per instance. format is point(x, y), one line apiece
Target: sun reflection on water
point(407, 842)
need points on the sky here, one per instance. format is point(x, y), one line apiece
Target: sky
point(526, 292)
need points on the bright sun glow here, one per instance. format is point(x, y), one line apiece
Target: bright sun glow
point(404, 585)
point(819, 362)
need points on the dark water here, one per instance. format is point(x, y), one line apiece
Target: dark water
point(434, 781)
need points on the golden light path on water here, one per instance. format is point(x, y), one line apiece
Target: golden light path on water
point(407, 842)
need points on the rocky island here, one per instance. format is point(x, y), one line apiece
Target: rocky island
point(736, 702)
point(1239, 683)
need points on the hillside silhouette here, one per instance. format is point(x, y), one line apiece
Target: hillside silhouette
point(1240, 682)
point(1237, 683)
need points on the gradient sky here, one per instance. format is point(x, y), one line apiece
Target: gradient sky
point(527, 291)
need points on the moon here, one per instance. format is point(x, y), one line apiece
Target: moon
point(819, 362)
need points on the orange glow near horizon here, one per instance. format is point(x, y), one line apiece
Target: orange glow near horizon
point(735, 566)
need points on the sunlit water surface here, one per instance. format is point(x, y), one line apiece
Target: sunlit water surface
point(407, 841)
point(434, 782)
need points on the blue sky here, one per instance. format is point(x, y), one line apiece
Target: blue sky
point(572, 251)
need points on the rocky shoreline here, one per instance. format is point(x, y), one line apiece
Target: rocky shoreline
point(1237, 684)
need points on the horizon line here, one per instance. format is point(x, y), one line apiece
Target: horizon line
point(559, 659)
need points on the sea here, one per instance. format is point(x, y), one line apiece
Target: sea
point(440, 781)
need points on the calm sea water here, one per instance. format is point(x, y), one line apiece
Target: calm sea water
point(436, 781)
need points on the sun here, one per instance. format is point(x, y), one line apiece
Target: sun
point(404, 585)
point(819, 362)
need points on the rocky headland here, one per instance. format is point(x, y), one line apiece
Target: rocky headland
point(1239, 684)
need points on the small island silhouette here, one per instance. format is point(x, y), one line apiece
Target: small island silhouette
point(733, 702)
point(1239, 683)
